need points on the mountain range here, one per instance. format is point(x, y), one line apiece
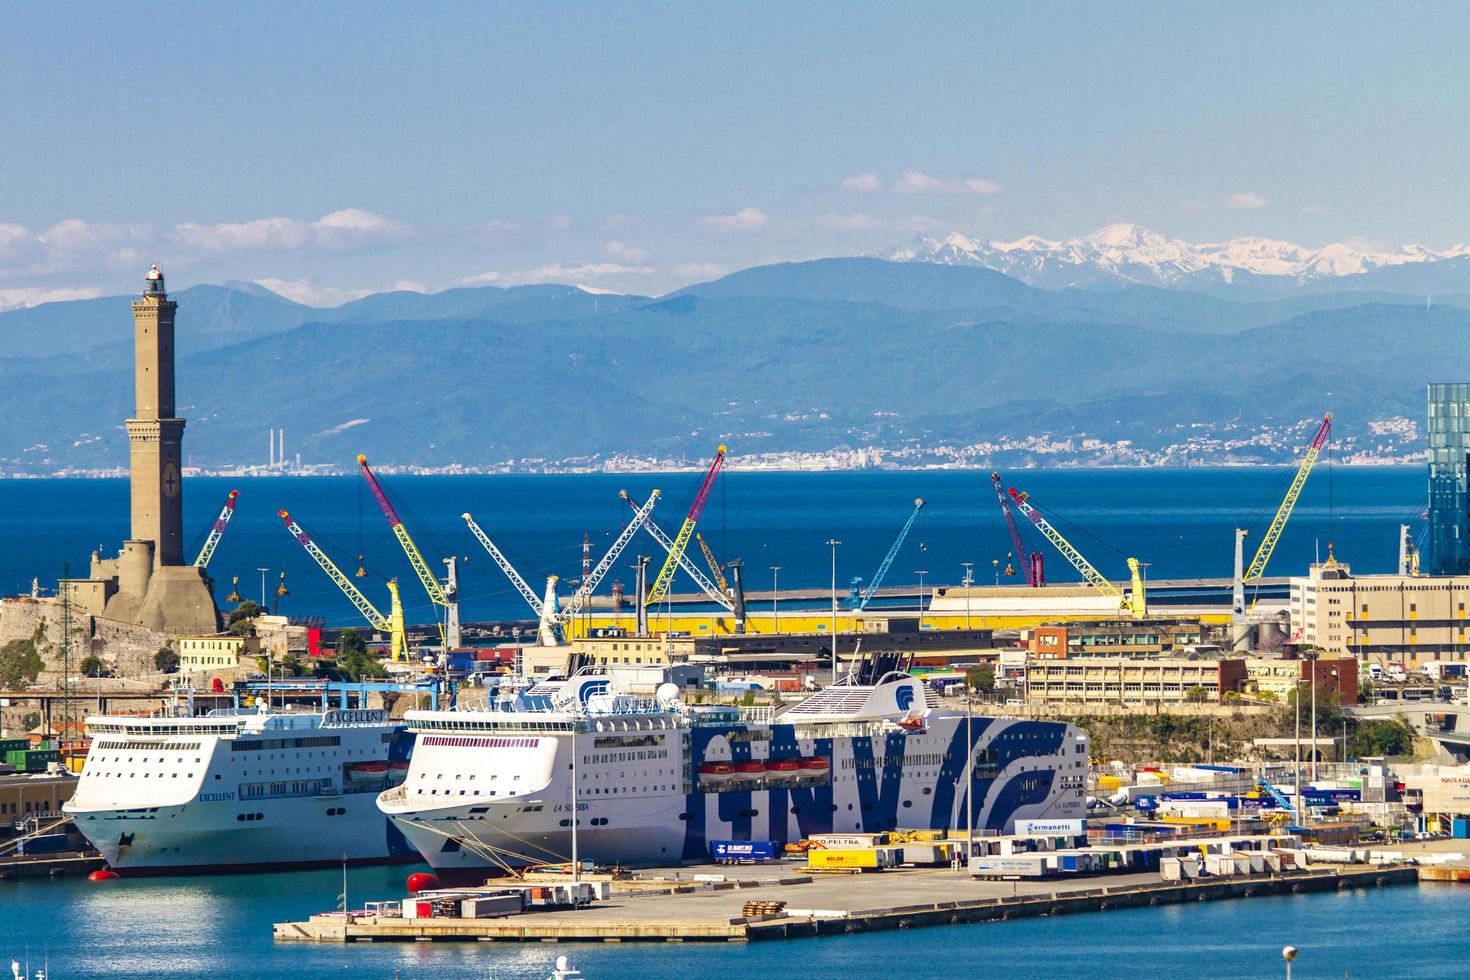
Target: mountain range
point(1241, 267)
point(930, 362)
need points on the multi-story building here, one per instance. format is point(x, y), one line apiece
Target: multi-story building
point(1337, 677)
point(1132, 680)
point(1405, 619)
point(1449, 459)
point(215, 652)
point(1115, 638)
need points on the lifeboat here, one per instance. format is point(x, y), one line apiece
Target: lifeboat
point(815, 767)
point(783, 767)
point(911, 724)
point(716, 771)
point(749, 769)
point(364, 771)
point(399, 765)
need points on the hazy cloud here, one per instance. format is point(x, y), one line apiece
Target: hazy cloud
point(1316, 210)
point(746, 219)
point(571, 274)
point(28, 296)
point(699, 270)
point(1246, 201)
point(624, 251)
point(862, 182)
point(339, 229)
point(559, 221)
point(918, 182)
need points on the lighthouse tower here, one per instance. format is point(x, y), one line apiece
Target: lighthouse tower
point(148, 583)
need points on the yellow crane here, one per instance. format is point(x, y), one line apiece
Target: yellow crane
point(681, 540)
point(1136, 602)
point(431, 583)
point(714, 566)
point(1278, 523)
point(392, 624)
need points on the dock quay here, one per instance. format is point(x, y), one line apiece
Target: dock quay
point(711, 907)
point(74, 863)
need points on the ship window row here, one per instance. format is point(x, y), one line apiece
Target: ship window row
point(298, 787)
point(626, 756)
point(259, 744)
point(179, 729)
point(493, 726)
point(152, 746)
point(464, 742)
point(134, 775)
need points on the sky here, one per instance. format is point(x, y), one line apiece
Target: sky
point(326, 150)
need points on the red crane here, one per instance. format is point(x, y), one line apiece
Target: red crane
point(1033, 560)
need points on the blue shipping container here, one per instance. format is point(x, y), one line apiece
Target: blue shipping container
point(743, 850)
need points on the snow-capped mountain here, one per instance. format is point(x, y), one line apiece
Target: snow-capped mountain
point(1126, 253)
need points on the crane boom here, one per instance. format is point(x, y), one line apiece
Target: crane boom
point(525, 590)
point(1091, 574)
point(714, 565)
point(405, 541)
point(218, 531)
point(691, 569)
point(589, 584)
point(1035, 576)
point(686, 531)
point(393, 623)
point(872, 588)
point(1278, 523)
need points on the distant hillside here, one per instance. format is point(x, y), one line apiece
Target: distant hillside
point(794, 357)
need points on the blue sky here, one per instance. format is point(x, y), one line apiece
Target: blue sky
point(329, 149)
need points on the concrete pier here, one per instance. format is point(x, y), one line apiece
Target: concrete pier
point(826, 905)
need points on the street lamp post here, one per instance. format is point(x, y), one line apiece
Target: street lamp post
point(775, 612)
point(262, 572)
point(921, 573)
point(833, 543)
point(968, 581)
point(995, 565)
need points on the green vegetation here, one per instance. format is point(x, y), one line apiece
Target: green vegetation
point(1196, 695)
point(21, 661)
point(92, 666)
point(166, 660)
point(980, 678)
point(1370, 738)
point(354, 661)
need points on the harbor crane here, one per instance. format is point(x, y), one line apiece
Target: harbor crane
point(859, 601)
point(1033, 561)
point(553, 617)
point(1136, 602)
point(714, 566)
point(686, 531)
point(217, 531)
point(1257, 568)
point(392, 624)
point(446, 599)
point(690, 569)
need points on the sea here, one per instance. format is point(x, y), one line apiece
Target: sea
point(221, 927)
point(1178, 522)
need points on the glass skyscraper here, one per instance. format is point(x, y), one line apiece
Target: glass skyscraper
point(1449, 459)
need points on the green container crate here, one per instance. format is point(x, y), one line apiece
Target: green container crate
point(8, 745)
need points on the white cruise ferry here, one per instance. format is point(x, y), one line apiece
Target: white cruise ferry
point(656, 781)
point(241, 790)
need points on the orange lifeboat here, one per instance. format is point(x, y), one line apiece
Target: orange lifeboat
point(749, 769)
point(716, 771)
point(815, 767)
point(783, 767)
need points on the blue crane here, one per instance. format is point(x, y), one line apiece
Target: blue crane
point(859, 600)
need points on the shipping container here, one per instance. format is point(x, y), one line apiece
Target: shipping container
point(492, 906)
point(855, 859)
point(850, 840)
point(742, 851)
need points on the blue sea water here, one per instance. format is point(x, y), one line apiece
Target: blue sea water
point(1179, 521)
point(221, 927)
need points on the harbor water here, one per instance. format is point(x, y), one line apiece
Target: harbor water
point(221, 927)
point(1179, 522)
